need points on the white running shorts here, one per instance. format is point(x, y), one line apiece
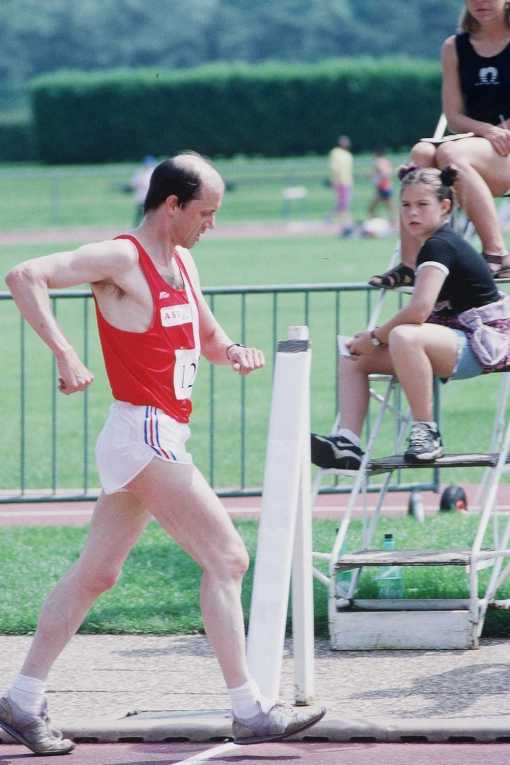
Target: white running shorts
point(131, 437)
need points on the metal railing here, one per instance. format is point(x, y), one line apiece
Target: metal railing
point(47, 449)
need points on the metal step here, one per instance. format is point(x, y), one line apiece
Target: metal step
point(404, 604)
point(453, 557)
point(397, 462)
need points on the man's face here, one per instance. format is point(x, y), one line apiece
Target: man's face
point(190, 222)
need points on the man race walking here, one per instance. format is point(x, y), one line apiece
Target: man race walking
point(154, 324)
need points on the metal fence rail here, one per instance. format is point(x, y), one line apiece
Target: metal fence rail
point(47, 449)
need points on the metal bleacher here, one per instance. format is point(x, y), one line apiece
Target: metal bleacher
point(418, 623)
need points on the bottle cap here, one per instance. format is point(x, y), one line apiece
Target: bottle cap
point(295, 332)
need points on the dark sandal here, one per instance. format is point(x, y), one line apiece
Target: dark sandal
point(399, 276)
point(503, 272)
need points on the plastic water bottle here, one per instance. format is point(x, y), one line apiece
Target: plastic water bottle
point(390, 584)
point(343, 578)
point(415, 507)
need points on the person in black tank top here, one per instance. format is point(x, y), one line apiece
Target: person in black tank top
point(476, 101)
point(433, 335)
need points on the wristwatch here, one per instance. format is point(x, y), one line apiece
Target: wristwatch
point(374, 339)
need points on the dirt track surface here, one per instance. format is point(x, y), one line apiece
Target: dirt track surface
point(320, 753)
point(82, 234)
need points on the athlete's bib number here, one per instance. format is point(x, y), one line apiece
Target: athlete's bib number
point(185, 371)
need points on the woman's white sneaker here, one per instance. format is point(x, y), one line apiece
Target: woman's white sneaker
point(424, 443)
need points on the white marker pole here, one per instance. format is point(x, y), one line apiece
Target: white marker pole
point(303, 632)
point(282, 479)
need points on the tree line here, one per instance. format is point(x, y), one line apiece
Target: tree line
point(41, 37)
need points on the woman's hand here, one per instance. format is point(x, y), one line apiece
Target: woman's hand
point(499, 138)
point(361, 344)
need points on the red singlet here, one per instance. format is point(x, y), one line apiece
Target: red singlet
point(156, 367)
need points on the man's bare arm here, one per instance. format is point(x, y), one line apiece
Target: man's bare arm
point(217, 346)
point(30, 281)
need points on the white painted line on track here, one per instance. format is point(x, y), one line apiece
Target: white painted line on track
point(210, 753)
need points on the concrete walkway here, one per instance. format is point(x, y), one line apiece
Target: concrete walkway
point(111, 688)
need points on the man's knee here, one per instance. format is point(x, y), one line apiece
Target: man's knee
point(99, 580)
point(231, 564)
point(238, 562)
point(423, 154)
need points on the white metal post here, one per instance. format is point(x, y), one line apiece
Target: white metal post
point(282, 477)
point(302, 571)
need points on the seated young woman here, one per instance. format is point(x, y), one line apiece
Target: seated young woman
point(476, 98)
point(456, 325)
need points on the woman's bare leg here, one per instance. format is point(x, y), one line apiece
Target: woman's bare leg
point(483, 175)
point(353, 388)
point(418, 352)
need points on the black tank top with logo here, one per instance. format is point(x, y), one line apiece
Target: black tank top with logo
point(484, 81)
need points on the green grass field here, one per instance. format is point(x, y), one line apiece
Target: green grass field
point(36, 196)
point(158, 590)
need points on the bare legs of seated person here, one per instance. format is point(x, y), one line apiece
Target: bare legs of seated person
point(415, 353)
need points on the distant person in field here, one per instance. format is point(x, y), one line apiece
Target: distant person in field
point(154, 324)
point(455, 326)
point(476, 99)
point(341, 179)
point(382, 179)
point(140, 184)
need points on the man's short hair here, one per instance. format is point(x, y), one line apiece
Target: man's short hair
point(171, 177)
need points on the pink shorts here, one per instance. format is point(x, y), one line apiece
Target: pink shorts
point(131, 437)
point(343, 196)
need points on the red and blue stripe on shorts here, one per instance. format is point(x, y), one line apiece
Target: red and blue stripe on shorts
point(151, 434)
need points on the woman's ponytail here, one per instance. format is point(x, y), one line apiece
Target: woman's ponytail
point(449, 175)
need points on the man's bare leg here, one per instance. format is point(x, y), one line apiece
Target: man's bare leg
point(185, 505)
point(117, 523)
point(187, 508)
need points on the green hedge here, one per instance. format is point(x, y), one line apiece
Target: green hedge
point(16, 144)
point(268, 109)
